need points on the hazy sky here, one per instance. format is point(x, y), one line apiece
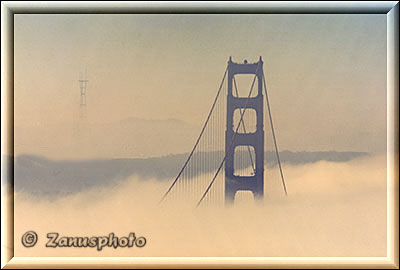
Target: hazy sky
point(326, 73)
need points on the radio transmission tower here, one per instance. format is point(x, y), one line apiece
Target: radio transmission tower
point(83, 85)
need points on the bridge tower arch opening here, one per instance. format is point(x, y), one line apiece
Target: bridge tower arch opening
point(241, 140)
point(234, 138)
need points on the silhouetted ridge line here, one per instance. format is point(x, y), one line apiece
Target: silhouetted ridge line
point(35, 174)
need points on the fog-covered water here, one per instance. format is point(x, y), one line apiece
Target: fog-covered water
point(333, 209)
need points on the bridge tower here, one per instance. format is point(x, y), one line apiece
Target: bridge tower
point(233, 139)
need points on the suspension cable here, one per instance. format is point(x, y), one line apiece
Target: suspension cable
point(198, 139)
point(273, 135)
point(231, 142)
point(244, 128)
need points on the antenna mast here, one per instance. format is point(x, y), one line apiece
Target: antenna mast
point(83, 85)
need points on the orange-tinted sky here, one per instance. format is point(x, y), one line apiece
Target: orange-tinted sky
point(326, 73)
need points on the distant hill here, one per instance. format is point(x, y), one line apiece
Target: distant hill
point(126, 138)
point(38, 175)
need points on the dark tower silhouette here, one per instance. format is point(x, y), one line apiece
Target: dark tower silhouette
point(83, 85)
point(233, 139)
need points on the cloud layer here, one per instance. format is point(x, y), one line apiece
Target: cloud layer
point(333, 209)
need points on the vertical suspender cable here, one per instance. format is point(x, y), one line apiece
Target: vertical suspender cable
point(273, 135)
point(231, 142)
point(198, 139)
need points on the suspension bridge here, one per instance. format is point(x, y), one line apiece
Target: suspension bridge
point(228, 155)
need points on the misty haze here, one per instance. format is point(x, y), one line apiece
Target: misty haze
point(115, 113)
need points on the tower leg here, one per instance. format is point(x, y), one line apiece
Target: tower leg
point(259, 198)
point(229, 197)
